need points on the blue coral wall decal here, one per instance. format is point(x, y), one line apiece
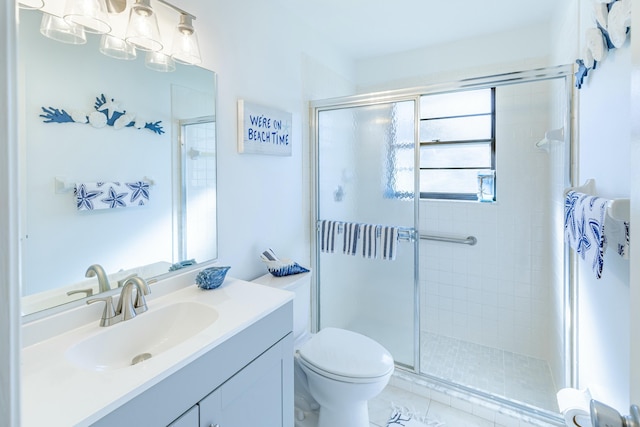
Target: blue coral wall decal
point(107, 113)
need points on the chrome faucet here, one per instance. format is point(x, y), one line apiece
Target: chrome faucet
point(127, 307)
point(103, 280)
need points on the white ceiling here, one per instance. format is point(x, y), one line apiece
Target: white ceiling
point(365, 28)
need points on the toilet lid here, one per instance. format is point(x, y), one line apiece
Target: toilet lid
point(347, 354)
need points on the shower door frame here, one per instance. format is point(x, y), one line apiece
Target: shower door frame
point(570, 326)
point(317, 107)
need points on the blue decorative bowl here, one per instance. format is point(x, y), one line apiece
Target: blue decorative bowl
point(182, 264)
point(287, 270)
point(212, 277)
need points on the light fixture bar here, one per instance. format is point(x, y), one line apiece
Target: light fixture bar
point(176, 8)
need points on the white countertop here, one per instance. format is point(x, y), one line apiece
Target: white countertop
point(56, 392)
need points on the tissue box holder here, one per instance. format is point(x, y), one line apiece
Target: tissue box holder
point(212, 277)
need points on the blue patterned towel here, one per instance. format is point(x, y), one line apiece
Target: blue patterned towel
point(351, 236)
point(584, 220)
point(617, 235)
point(389, 241)
point(110, 195)
point(328, 231)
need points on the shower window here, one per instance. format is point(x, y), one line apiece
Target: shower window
point(457, 141)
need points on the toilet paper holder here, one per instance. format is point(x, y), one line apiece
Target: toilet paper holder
point(605, 416)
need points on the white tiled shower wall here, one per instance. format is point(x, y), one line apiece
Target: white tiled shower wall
point(499, 292)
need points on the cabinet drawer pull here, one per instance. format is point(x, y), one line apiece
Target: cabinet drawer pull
point(214, 425)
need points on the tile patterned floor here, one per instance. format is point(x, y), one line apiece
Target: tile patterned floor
point(516, 377)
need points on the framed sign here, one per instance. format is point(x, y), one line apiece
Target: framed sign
point(263, 130)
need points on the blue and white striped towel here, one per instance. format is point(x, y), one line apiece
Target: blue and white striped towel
point(370, 240)
point(328, 231)
point(584, 217)
point(388, 241)
point(351, 236)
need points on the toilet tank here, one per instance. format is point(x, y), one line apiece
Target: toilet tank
point(300, 285)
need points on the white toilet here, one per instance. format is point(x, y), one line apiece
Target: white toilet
point(336, 371)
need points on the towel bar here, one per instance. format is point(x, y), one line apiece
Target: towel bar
point(618, 209)
point(404, 233)
point(61, 185)
point(470, 240)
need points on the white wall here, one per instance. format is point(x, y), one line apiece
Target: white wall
point(604, 141)
point(521, 49)
point(264, 56)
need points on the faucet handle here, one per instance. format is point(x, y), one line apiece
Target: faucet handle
point(109, 314)
point(121, 282)
point(88, 292)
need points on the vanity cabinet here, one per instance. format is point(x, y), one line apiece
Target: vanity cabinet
point(191, 418)
point(246, 381)
point(252, 397)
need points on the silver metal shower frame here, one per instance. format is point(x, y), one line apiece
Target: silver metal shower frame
point(570, 289)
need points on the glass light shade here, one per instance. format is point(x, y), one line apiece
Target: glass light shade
point(185, 42)
point(30, 4)
point(143, 31)
point(91, 14)
point(58, 29)
point(186, 48)
point(117, 48)
point(158, 61)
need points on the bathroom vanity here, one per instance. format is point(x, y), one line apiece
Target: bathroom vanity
point(218, 358)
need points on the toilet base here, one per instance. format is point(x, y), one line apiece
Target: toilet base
point(356, 414)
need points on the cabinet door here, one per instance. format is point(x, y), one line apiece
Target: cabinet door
point(252, 397)
point(191, 418)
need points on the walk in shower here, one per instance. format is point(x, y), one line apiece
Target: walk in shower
point(478, 293)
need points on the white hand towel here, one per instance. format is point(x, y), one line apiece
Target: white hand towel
point(388, 241)
point(370, 240)
point(328, 231)
point(351, 237)
point(584, 227)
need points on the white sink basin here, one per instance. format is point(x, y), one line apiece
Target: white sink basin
point(145, 336)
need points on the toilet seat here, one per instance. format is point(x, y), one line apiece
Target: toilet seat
point(346, 356)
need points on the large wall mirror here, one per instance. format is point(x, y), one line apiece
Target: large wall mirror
point(152, 133)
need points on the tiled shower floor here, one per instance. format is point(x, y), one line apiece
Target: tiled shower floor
point(514, 376)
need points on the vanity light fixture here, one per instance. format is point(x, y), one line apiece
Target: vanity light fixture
point(143, 31)
point(158, 61)
point(185, 41)
point(30, 4)
point(117, 48)
point(91, 14)
point(58, 29)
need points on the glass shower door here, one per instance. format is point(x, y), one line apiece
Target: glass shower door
point(365, 175)
point(198, 227)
